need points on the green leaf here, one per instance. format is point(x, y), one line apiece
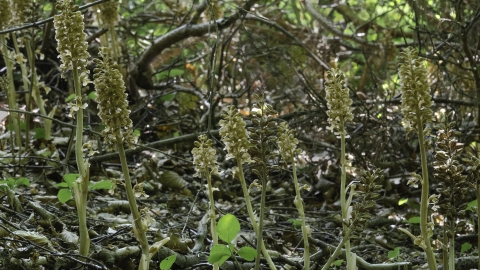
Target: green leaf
point(167, 263)
point(338, 262)
point(248, 253)
point(104, 184)
point(22, 181)
point(10, 182)
point(92, 95)
point(167, 97)
point(47, 7)
point(70, 178)
point(219, 254)
point(70, 98)
point(471, 204)
point(228, 227)
point(3, 183)
point(465, 247)
point(169, 73)
point(413, 220)
point(392, 254)
point(62, 185)
point(47, 153)
point(64, 195)
point(39, 133)
point(295, 222)
point(402, 201)
point(136, 133)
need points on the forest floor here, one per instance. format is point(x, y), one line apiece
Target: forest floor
point(40, 232)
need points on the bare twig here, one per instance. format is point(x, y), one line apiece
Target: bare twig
point(34, 24)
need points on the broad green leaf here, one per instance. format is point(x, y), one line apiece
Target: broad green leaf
point(413, 220)
point(70, 98)
point(46, 153)
point(62, 185)
point(392, 254)
point(402, 201)
point(465, 247)
point(70, 178)
point(11, 182)
point(22, 181)
point(136, 133)
point(167, 263)
point(64, 195)
point(248, 253)
point(47, 7)
point(168, 97)
point(39, 133)
point(104, 184)
point(4, 183)
point(471, 204)
point(338, 262)
point(218, 254)
point(228, 227)
point(169, 73)
point(92, 95)
point(295, 222)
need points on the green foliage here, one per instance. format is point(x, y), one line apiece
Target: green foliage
point(465, 247)
point(392, 254)
point(337, 262)
point(227, 228)
point(92, 95)
point(66, 188)
point(104, 184)
point(13, 183)
point(39, 133)
point(402, 201)
point(412, 204)
point(64, 195)
point(248, 253)
point(219, 254)
point(471, 204)
point(70, 98)
point(167, 263)
point(297, 224)
point(168, 97)
point(413, 220)
point(169, 73)
point(23, 126)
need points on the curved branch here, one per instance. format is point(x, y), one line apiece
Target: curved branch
point(288, 34)
point(183, 32)
point(332, 29)
point(48, 19)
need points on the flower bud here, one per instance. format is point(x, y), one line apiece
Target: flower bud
point(204, 156)
point(287, 143)
point(72, 47)
point(112, 101)
point(416, 98)
point(338, 101)
point(234, 135)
